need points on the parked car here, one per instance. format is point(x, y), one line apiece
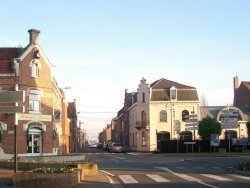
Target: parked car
point(116, 147)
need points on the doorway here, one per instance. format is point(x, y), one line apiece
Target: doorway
point(34, 142)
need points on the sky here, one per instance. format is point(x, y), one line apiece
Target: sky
point(102, 47)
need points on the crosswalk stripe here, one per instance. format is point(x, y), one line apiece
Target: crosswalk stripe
point(157, 178)
point(216, 177)
point(238, 176)
point(186, 177)
point(127, 179)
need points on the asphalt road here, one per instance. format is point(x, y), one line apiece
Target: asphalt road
point(140, 170)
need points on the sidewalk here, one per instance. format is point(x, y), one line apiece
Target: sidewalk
point(99, 180)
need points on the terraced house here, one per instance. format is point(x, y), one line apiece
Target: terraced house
point(43, 128)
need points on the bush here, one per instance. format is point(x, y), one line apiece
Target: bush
point(245, 165)
point(44, 170)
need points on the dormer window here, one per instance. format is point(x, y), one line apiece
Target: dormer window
point(35, 66)
point(173, 93)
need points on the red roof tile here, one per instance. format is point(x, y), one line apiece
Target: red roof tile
point(6, 55)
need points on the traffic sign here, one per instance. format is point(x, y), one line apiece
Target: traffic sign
point(229, 126)
point(11, 109)
point(191, 116)
point(191, 124)
point(229, 112)
point(191, 120)
point(191, 128)
point(12, 96)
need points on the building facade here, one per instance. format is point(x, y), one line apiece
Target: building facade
point(159, 111)
point(43, 128)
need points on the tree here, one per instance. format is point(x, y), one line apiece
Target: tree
point(208, 126)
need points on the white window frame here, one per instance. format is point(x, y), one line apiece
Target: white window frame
point(35, 101)
point(35, 66)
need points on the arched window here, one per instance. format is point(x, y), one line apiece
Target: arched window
point(35, 66)
point(184, 114)
point(144, 139)
point(163, 116)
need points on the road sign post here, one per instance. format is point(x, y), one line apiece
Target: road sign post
point(191, 123)
point(229, 120)
point(9, 97)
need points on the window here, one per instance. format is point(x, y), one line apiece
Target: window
point(173, 93)
point(143, 97)
point(144, 139)
point(163, 116)
point(35, 101)
point(35, 66)
point(143, 119)
point(184, 114)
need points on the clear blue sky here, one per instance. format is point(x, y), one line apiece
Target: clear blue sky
point(102, 47)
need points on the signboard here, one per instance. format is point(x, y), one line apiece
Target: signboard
point(12, 96)
point(34, 117)
point(214, 140)
point(191, 128)
point(11, 109)
point(229, 119)
point(191, 116)
point(191, 124)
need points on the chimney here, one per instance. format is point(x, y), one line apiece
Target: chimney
point(236, 87)
point(34, 36)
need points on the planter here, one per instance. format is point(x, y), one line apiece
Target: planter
point(87, 168)
point(23, 179)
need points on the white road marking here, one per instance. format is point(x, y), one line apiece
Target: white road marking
point(107, 172)
point(116, 156)
point(183, 176)
point(157, 178)
point(207, 184)
point(238, 176)
point(127, 179)
point(216, 177)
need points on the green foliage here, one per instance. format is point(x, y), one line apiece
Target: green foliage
point(245, 165)
point(44, 170)
point(208, 126)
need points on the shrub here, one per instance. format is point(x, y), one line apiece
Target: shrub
point(44, 170)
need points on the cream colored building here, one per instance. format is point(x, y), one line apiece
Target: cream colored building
point(159, 111)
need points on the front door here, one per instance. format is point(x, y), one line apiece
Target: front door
point(34, 142)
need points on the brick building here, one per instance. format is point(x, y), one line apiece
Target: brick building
point(241, 93)
point(43, 129)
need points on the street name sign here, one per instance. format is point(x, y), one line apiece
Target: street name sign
point(191, 124)
point(9, 97)
point(229, 119)
point(11, 109)
point(12, 96)
point(191, 128)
